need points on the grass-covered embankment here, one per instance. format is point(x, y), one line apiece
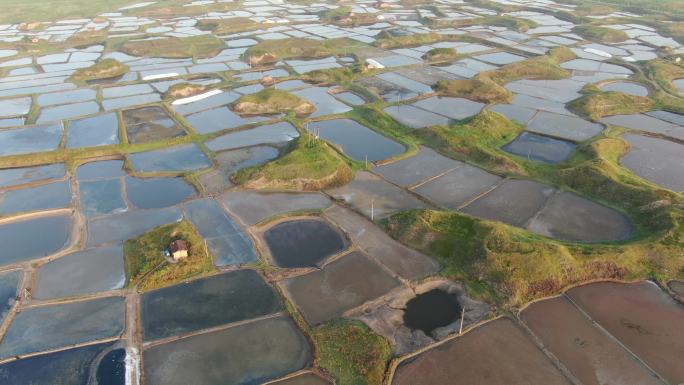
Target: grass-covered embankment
point(198, 47)
point(351, 352)
point(310, 165)
point(104, 69)
point(600, 34)
point(272, 101)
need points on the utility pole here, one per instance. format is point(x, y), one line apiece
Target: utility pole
point(372, 211)
point(460, 329)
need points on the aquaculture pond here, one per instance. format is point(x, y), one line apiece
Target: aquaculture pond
point(657, 160)
point(206, 303)
point(341, 285)
point(590, 354)
point(478, 357)
point(18, 176)
point(246, 354)
point(49, 327)
point(540, 148)
point(9, 285)
point(281, 132)
point(629, 88)
point(303, 243)
point(431, 310)
point(44, 197)
point(31, 139)
point(81, 273)
point(102, 362)
point(642, 317)
point(100, 130)
point(21, 243)
point(150, 123)
point(152, 193)
point(357, 141)
point(253, 207)
point(187, 157)
point(116, 228)
point(226, 240)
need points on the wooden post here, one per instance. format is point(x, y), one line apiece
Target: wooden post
point(460, 329)
point(372, 211)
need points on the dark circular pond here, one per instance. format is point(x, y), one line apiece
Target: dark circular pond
point(431, 310)
point(303, 243)
point(112, 370)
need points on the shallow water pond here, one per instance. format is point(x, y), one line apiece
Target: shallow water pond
point(49, 327)
point(147, 124)
point(303, 243)
point(540, 148)
point(280, 132)
point(68, 367)
point(431, 310)
point(152, 193)
point(32, 139)
point(80, 273)
point(181, 158)
point(99, 197)
point(99, 130)
point(356, 140)
point(45, 197)
point(248, 354)
point(207, 303)
point(9, 285)
point(21, 243)
point(629, 88)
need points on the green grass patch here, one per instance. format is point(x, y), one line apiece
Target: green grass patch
point(541, 67)
point(184, 90)
point(104, 69)
point(663, 73)
point(441, 55)
point(203, 46)
point(310, 165)
point(272, 101)
point(511, 266)
point(477, 140)
point(147, 268)
point(388, 41)
point(343, 75)
point(600, 104)
point(17, 11)
point(351, 352)
point(479, 89)
point(600, 34)
point(228, 26)
point(509, 22)
point(271, 51)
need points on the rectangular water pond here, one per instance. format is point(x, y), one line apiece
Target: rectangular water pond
point(21, 243)
point(45, 197)
point(280, 132)
point(589, 354)
point(182, 158)
point(642, 317)
point(18, 176)
point(253, 207)
point(117, 228)
point(66, 367)
point(147, 124)
point(496, 353)
point(356, 140)
point(207, 303)
point(98, 130)
point(49, 327)
point(80, 273)
point(540, 148)
point(32, 139)
point(229, 244)
point(341, 285)
point(248, 354)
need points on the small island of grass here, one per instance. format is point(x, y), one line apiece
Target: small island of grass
point(147, 267)
point(202, 46)
point(601, 34)
point(104, 69)
point(272, 101)
point(184, 90)
point(440, 55)
point(311, 166)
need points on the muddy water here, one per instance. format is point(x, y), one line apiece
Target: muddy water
point(432, 310)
